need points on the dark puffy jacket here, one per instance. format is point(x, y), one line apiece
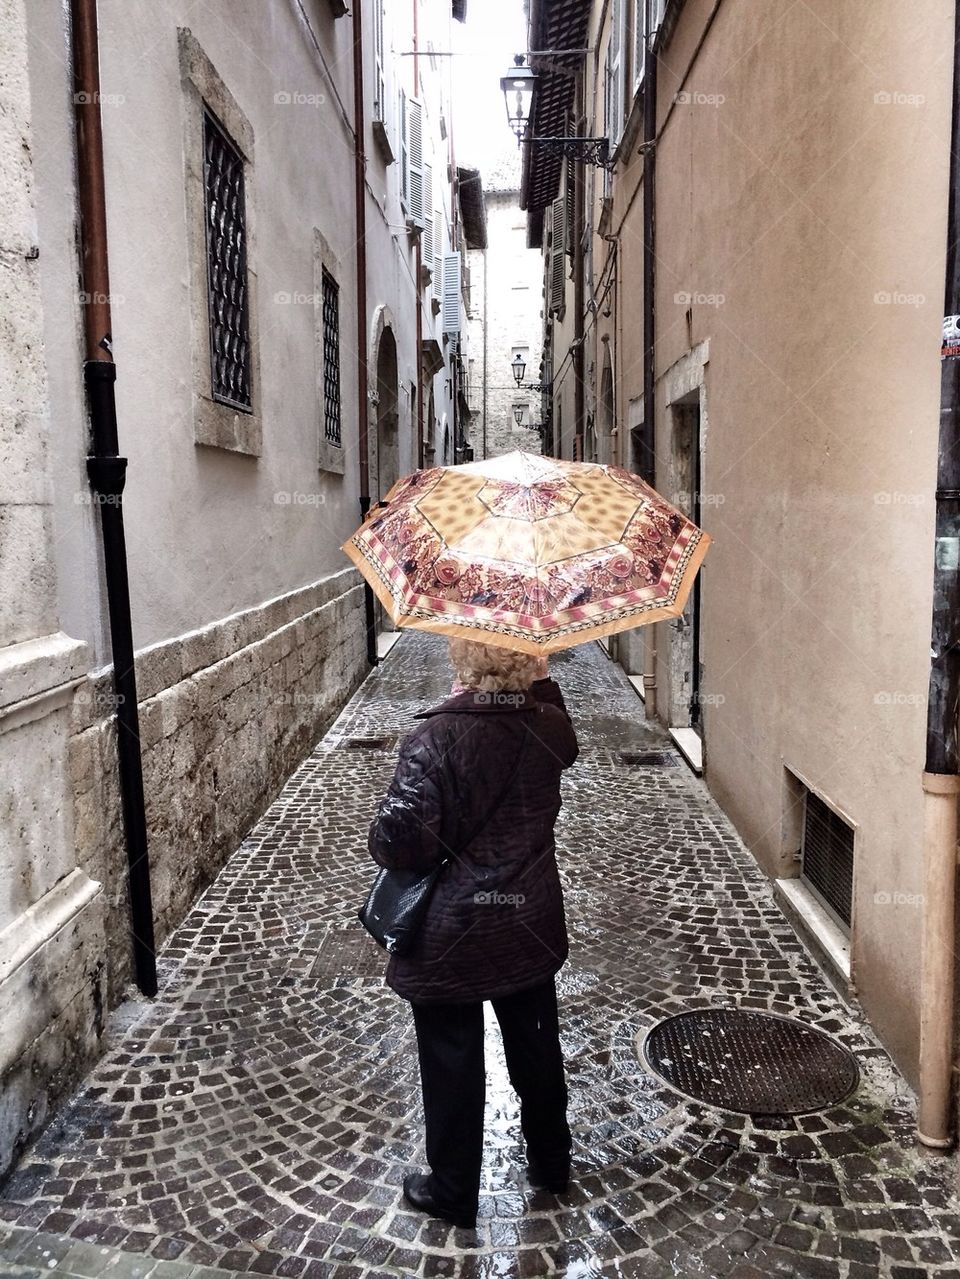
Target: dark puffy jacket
point(478, 783)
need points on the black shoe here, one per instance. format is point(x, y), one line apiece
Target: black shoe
point(556, 1183)
point(416, 1191)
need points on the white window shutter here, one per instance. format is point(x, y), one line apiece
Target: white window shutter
point(557, 251)
point(427, 245)
point(438, 247)
point(402, 126)
point(451, 293)
point(415, 204)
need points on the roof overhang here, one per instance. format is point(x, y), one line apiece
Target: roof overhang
point(460, 10)
point(556, 25)
point(473, 208)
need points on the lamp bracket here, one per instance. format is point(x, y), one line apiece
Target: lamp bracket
point(594, 151)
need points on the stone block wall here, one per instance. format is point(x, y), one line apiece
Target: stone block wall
point(226, 714)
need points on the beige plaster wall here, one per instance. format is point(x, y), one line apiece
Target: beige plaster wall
point(801, 205)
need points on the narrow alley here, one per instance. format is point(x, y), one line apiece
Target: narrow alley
point(259, 1115)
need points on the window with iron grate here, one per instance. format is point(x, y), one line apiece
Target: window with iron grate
point(331, 358)
point(226, 241)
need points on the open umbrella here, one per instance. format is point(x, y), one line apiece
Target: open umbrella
point(527, 552)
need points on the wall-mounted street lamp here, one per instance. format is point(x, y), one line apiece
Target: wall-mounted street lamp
point(519, 366)
point(518, 415)
point(517, 87)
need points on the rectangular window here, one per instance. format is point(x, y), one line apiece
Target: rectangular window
point(614, 77)
point(226, 242)
point(404, 163)
point(331, 359)
point(645, 11)
point(379, 61)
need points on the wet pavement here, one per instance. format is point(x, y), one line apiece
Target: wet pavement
point(259, 1115)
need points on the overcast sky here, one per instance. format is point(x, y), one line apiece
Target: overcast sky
point(494, 31)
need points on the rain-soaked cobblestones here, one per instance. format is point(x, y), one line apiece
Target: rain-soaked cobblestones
point(260, 1114)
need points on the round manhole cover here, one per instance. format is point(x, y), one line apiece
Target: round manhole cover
point(750, 1062)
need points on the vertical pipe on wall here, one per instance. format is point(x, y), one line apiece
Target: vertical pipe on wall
point(647, 459)
point(107, 473)
point(485, 350)
point(363, 413)
point(575, 173)
point(941, 782)
point(646, 462)
point(418, 260)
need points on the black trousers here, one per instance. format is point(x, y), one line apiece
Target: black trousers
point(452, 1075)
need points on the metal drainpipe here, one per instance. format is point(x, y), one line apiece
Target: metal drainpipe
point(418, 261)
point(363, 417)
point(106, 470)
point(648, 436)
point(941, 782)
point(485, 349)
point(579, 213)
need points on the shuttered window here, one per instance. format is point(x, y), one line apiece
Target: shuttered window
point(451, 293)
point(404, 167)
point(415, 182)
point(426, 247)
point(380, 78)
point(557, 262)
point(439, 244)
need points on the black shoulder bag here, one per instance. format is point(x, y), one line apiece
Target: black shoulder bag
point(398, 900)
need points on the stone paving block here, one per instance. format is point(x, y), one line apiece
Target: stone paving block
point(259, 1116)
point(86, 1260)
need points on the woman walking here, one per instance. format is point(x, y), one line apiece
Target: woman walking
point(477, 786)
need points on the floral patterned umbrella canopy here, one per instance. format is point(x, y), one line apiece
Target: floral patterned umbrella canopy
point(527, 552)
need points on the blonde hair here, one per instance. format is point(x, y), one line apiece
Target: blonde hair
point(490, 669)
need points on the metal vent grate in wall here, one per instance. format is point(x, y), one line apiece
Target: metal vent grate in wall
point(826, 855)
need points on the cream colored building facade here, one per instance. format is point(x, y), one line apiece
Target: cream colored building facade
point(505, 319)
point(248, 622)
point(800, 200)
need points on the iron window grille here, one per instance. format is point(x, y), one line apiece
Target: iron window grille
point(827, 857)
point(226, 241)
point(331, 358)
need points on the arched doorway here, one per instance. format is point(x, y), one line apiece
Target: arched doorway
point(430, 442)
point(447, 456)
point(388, 396)
point(604, 441)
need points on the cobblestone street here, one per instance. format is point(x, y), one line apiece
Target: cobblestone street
point(260, 1114)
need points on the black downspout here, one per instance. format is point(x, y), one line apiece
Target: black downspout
point(363, 416)
point(575, 174)
point(107, 472)
point(944, 689)
point(647, 464)
point(941, 776)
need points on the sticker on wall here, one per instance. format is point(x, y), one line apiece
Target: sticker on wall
point(951, 337)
